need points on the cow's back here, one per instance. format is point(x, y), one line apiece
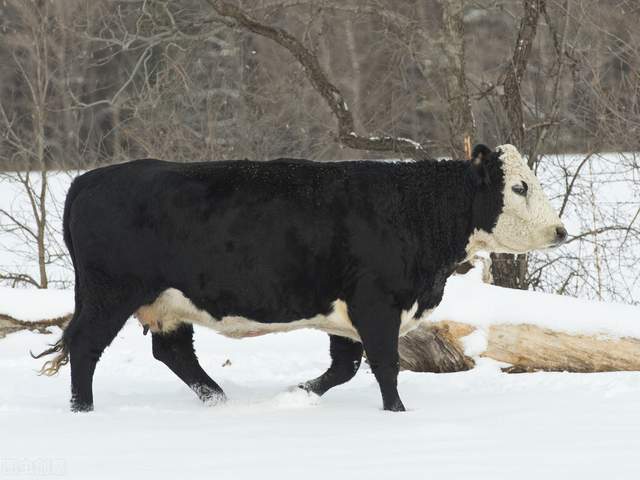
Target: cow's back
point(247, 238)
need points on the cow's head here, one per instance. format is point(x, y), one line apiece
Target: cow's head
point(511, 213)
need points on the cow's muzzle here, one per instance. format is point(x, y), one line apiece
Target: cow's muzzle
point(561, 236)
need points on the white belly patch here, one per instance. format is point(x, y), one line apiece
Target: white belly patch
point(172, 308)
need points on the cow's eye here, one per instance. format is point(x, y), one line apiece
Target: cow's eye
point(520, 189)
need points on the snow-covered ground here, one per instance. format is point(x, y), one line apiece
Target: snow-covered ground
point(477, 424)
point(29, 304)
point(147, 424)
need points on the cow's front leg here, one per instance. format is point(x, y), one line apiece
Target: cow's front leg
point(378, 323)
point(346, 356)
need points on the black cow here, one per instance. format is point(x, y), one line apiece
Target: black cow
point(360, 250)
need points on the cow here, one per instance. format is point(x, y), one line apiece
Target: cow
point(358, 249)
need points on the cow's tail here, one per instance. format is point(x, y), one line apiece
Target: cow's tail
point(61, 347)
point(51, 367)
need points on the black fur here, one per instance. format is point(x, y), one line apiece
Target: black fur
point(346, 356)
point(175, 350)
point(273, 241)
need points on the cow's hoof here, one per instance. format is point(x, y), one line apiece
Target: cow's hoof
point(308, 387)
point(396, 406)
point(79, 407)
point(209, 396)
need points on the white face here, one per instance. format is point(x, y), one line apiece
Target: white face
point(527, 222)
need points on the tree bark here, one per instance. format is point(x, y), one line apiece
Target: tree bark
point(435, 349)
point(509, 271)
point(461, 124)
point(356, 78)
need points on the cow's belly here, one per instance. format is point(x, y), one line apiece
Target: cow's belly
point(172, 308)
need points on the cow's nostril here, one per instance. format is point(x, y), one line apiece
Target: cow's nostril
point(561, 234)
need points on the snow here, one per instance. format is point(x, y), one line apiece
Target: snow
point(30, 304)
point(468, 300)
point(413, 143)
point(147, 424)
point(475, 343)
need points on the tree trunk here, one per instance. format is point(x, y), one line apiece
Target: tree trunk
point(509, 271)
point(356, 72)
point(512, 98)
point(42, 229)
point(526, 348)
point(461, 125)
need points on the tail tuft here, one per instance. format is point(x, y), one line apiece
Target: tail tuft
point(51, 367)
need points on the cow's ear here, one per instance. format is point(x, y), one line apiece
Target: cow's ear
point(479, 157)
point(480, 153)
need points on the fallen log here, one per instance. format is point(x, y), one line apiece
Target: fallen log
point(439, 347)
point(436, 348)
point(8, 324)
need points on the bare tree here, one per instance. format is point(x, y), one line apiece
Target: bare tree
point(329, 92)
point(29, 142)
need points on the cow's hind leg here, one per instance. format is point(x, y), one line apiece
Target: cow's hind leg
point(175, 350)
point(346, 356)
point(95, 327)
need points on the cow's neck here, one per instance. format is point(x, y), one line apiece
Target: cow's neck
point(442, 196)
point(445, 206)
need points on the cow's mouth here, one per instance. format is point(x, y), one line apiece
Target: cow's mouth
point(561, 236)
point(555, 244)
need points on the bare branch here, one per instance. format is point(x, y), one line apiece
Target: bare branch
point(17, 278)
point(598, 231)
point(569, 190)
point(19, 224)
point(331, 94)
